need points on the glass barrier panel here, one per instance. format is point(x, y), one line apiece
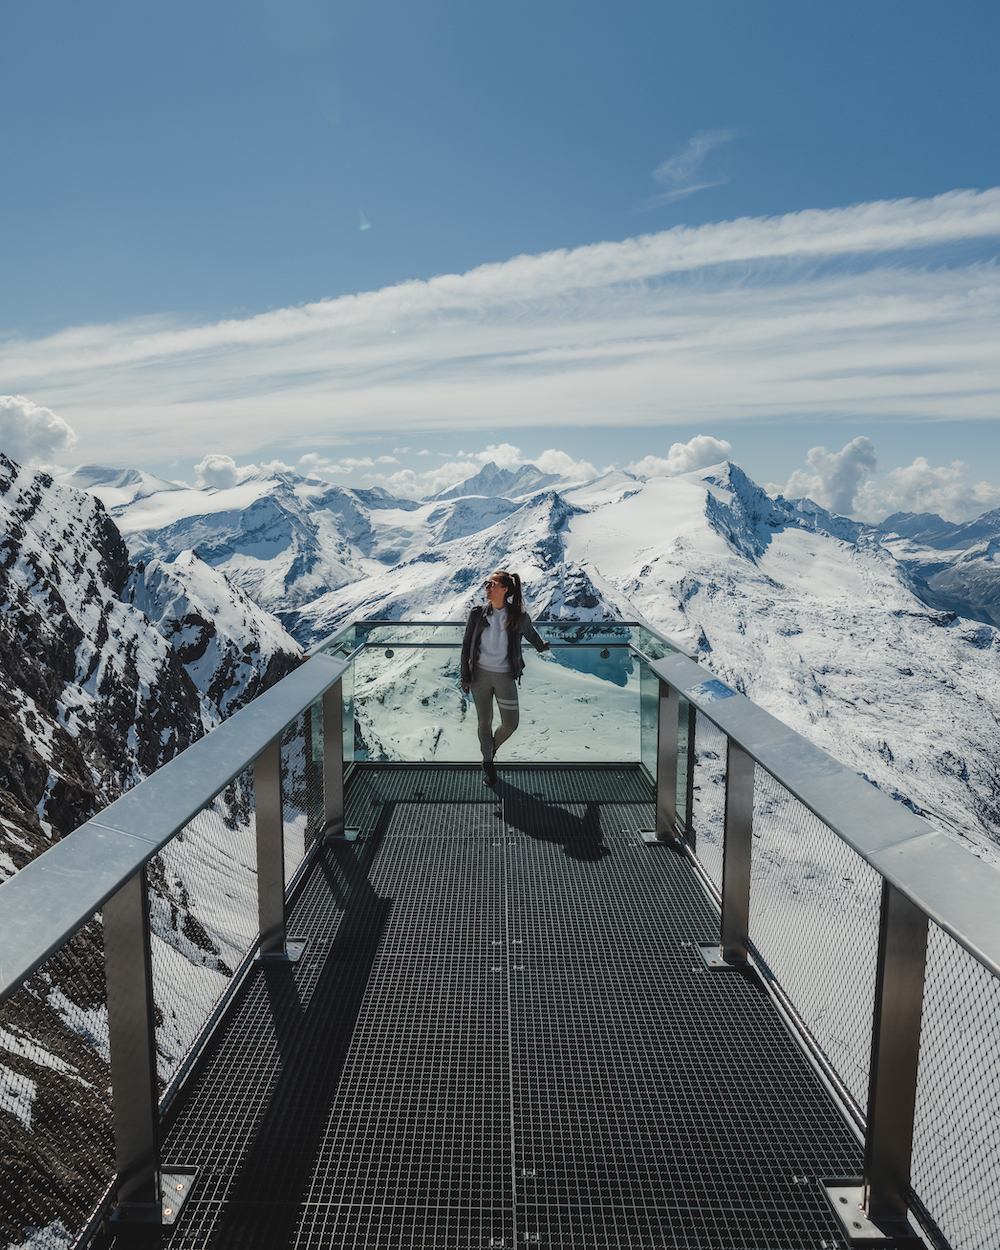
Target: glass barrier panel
point(709, 805)
point(586, 632)
point(575, 706)
point(301, 787)
point(649, 718)
point(342, 643)
point(409, 633)
point(651, 644)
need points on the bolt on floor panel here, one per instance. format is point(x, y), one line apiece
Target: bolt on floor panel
point(502, 1033)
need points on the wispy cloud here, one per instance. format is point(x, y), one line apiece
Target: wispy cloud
point(822, 313)
point(683, 174)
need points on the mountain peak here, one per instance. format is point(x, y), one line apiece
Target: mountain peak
point(494, 482)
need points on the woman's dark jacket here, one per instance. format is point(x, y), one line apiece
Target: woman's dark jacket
point(515, 632)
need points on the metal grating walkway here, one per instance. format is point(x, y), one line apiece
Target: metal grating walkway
point(501, 1034)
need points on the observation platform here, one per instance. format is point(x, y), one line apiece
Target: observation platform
point(311, 984)
point(502, 1032)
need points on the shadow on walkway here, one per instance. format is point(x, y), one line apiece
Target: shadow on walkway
point(263, 1205)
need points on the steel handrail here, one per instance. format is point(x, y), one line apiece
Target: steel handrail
point(51, 897)
point(953, 887)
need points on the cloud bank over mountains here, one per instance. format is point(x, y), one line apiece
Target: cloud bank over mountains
point(872, 311)
point(841, 482)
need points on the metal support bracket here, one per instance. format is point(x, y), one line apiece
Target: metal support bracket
point(738, 847)
point(270, 848)
point(133, 1044)
point(293, 952)
point(715, 961)
point(846, 1198)
point(176, 1184)
point(343, 835)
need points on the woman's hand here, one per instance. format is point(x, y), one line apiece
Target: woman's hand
point(545, 646)
point(465, 688)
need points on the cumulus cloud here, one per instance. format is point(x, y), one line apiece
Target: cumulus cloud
point(222, 471)
point(836, 476)
point(30, 434)
point(832, 313)
point(922, 487)
point(682, 174)
point(698, 453)
point(561, 462)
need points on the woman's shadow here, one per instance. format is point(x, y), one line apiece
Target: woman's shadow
point(580, 836)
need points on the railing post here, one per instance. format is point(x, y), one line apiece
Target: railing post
point(132, 1036)
point(666, 762)
point(738, 843)
point(270, 848)
point(333, 758)
point(876, 1206)
point(692, 722)
point(892, 1090)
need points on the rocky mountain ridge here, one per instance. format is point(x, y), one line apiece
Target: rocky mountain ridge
point(107, 669)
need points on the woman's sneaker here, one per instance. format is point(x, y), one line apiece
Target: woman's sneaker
point(489, 773)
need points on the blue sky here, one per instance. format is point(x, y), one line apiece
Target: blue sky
point(186, 182)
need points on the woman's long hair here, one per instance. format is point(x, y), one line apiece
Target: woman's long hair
point(511, 582)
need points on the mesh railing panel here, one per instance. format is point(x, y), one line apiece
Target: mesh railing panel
point(56, 1138)
point(814, 917)
point(301, 787)
point(956, 1141)
point(202, 915)
point(709, 806)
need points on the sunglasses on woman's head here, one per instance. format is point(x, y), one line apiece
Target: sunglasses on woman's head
point(491, 583)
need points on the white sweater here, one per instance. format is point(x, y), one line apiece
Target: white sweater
point(493, 654)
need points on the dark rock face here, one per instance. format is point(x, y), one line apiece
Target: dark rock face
point(95, 694)
point(231, 648)
point(91, 699)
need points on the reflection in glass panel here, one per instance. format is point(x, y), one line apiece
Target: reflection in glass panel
point(652, 644)
point(340, 644)
point(408, 633)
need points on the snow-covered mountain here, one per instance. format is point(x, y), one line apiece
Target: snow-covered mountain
point(871, 644)
point(106, 669)
point(807, 613)
point(231, 648)
point(281, 538)
point(509, 483)
point(953, 567)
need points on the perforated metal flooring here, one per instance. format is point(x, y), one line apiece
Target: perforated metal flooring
point(501, 1033)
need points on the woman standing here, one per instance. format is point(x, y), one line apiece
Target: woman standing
point(492, 663)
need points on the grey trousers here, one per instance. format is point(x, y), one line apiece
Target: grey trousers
point(485, 686)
